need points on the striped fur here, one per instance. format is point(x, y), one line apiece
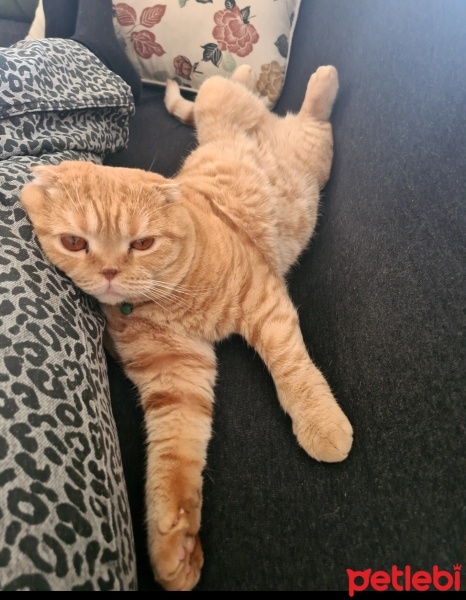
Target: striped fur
point(226, 229)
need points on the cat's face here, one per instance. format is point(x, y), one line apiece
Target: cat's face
point(119, 234)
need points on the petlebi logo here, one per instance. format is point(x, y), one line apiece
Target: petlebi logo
point(404, 580)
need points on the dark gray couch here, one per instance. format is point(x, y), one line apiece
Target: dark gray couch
point(381, 298)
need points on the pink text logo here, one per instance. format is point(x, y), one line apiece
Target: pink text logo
point(404, 580)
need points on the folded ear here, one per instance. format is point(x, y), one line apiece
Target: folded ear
point(34, 194)
point(45, 175)
point(170, 190)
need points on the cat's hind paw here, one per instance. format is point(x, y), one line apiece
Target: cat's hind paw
point(178, 106)
point(321, 92)
point(245, 75)
point(176, 551)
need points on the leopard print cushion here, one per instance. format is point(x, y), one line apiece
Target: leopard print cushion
point(64, 514)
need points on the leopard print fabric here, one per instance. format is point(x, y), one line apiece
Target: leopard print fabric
point(64, 513)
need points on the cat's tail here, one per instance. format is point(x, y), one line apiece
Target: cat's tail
point(178, 106)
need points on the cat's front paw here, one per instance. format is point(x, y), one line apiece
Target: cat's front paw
point(175, 549)
point(325, 432)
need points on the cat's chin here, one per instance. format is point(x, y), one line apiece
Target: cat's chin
point(113, 298)
point(110, 298)
point(111, 302)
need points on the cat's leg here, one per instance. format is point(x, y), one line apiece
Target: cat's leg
point(220, 103)
point(246, 76)
point(175, 376)
point(224, 107)
point(270, 325)
point(313, 123)
point(322, 89)
point(178, 106)
point(183, 109)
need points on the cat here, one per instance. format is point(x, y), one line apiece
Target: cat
point(179, 264)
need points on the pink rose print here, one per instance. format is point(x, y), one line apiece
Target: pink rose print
point(233, 32)
point(183, 67)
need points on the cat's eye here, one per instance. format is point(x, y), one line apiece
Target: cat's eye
point(142, 244)
point(74, 243)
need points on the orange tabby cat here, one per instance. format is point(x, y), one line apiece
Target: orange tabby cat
point(181, 263)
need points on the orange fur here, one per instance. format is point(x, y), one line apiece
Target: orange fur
point(226, 229)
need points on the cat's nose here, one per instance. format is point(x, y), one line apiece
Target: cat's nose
point(109, 273)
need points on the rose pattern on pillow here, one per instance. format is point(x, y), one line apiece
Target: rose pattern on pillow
point(191, 40)
point(233, 31)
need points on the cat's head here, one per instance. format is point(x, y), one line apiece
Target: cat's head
point(115, 232)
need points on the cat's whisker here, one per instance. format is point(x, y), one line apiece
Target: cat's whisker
point(137, 205)
point(74, 201)
point(152, 299)
point(186, 288)
point(168, 294)
point(171, 289)
point(152, 163)
point(182, 298)
point(78, 197)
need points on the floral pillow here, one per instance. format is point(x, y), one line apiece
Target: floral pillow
point(190, 40)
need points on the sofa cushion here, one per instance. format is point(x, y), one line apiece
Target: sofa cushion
point(64, 510)
point(190, 41)
point(18, 10)
point(12, 31)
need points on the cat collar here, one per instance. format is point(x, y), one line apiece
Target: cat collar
point(126, 308)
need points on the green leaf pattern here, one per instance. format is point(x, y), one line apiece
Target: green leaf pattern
point(228, 62)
